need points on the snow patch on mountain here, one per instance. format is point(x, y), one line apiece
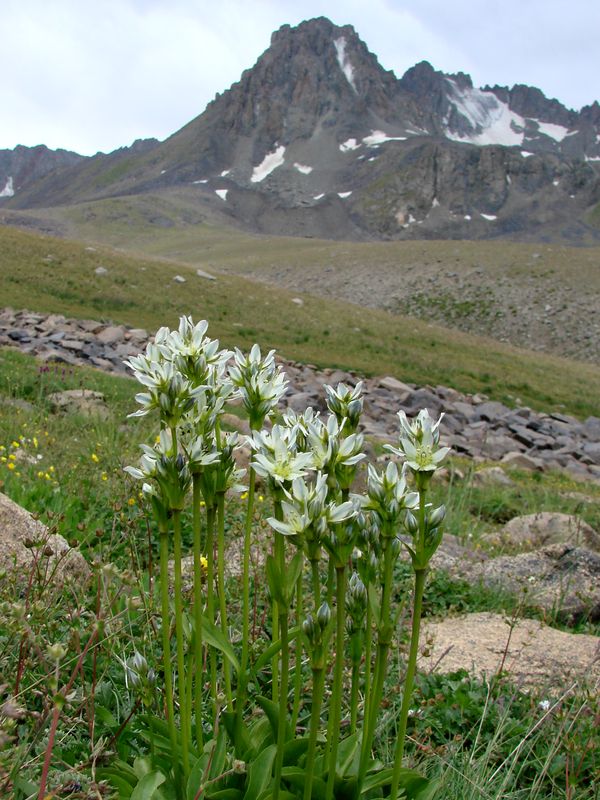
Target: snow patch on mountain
point(270, 162)
point(222, 193)
point(491, 120)
point(379, 137)
point(349, 144)
point(556, 132)
point(345, 65)
point(8, 190)
point(303, 168)
point(489, 217)
point(343, 195)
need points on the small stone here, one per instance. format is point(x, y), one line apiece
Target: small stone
point(179, 279)
point(202, 274)
point(298, 301)
point(491, 476)
point(101, 271)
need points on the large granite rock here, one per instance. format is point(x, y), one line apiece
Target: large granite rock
point(533, 654)
point(559, 578)
point(531, 531)
point(26, 543)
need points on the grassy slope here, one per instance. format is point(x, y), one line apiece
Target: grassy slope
point(46, 274)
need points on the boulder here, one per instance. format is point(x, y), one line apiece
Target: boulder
point(559, 578)
point(491, 476)
point(79, 401)
point(24, 541)
point(548, 527)
point(533, 654)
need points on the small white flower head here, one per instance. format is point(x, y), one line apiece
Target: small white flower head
point(346, 403)
point(331, 450)
point(166, 474)
point(306, 511)
point(261, 383)
point(194, 354)
point(276, 458)
point(388, 496)
point(419, 442)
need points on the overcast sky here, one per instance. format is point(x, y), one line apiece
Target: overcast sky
point(91, 75)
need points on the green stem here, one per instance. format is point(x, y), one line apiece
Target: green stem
point(283, 697)
point(166, 646)
point(298, 653)
point(246, 573)
point(410, 677)
point(333, 732)
point(210, 604)
point(316, 581)
point(330, 581)
point(385, 629)
point(355, 646)
point(184, 717)
point(243, 678)
point(315, 720)
point(279, 555)
point(368, 647)
point(198, 661)
point(221, 591)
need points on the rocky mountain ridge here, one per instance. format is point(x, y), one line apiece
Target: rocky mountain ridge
point(317, 139)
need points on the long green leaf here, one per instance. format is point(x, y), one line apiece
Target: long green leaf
point(267, 655)
point(147, 786)
point(260, 772)
point(271, 709)
point(214, 636)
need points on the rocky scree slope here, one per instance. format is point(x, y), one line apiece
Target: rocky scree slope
point(317, 139)
point(473, 426)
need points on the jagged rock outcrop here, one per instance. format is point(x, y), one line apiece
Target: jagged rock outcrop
point(317, 139)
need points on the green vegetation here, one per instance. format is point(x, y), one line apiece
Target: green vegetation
point(47, 274)
point(478, 739)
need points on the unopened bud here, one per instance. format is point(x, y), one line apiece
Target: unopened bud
point(324, 616)
point(437, 516)
point(410, 523)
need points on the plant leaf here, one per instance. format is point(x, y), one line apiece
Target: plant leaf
point(259, 772)
point(214, 636)
point(147, 786)
point(271, 709)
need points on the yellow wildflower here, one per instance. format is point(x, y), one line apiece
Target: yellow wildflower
point(104, 476)
point(15, 444)
point(95, 458)
point(11, 465)
point(131, 501)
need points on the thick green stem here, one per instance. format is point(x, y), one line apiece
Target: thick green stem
point(198, 660)
point(166, 647)
point(410, 677)
point(221, 591)
point(333, 731)
point(356, 648)
point(279, 555)
point(246, 573)
point(210, 604)
point(283, 697)
point(184, 716)
point(315, 721)
point(368, 647)
point(298, 653)
point(330, 581)
point(316, 581)
point(385, 629)
point(243, 678)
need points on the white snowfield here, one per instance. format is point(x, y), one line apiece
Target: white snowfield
point(9, 189)
point(302, 168)
point(222, 193)
point(493, 122)
point(270, 162)
point(489, 217)
point(343, 195)
point(349, 144)
point(343, 61)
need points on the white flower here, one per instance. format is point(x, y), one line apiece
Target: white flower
point(419, 442)
point(276, 457)
point(260, 383)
